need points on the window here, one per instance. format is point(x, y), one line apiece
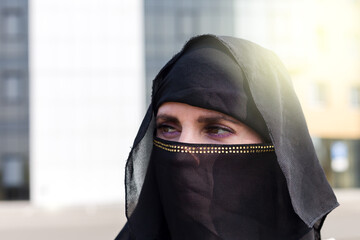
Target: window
point(11, 86)
point(11, 23)
point(318, 94)
point(14, 183)
point(186, 21)
point(12, 171)
point(355, 97)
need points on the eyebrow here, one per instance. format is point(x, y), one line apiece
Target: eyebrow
point(217, 118)
point(167, 118)
point(201, 119)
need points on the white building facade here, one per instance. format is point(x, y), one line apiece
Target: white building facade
point(86, 98)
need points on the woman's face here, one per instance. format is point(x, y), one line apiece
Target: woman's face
point(184, 123)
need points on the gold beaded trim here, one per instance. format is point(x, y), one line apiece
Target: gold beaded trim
point(213, 149)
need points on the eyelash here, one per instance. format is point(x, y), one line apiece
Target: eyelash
point(162, 127)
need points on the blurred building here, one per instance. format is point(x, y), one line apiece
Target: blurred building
point(91, 63)
point(329, 87)
point(65, 137)
point(87, 98)
point(14, 100)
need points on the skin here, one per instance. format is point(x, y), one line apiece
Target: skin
point(188, 124)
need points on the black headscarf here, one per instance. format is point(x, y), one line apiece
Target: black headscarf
point(249, 83)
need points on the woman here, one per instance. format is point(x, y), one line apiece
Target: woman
point(224, 151)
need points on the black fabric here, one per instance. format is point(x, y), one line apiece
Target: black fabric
point(238, 192)
point(274, 96)
point(219, 192)
point(247, 82)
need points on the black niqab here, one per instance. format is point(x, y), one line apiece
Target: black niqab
point(218, 192)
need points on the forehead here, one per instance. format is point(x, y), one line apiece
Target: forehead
point(181, 108)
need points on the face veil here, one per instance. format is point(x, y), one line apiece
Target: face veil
point(253, 87)
point(223, 192)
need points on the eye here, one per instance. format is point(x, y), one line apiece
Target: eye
point(167, 131)
point(216, 131)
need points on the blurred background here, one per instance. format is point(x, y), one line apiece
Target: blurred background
point(75, 81)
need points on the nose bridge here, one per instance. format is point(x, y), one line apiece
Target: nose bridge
point(189, 134)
